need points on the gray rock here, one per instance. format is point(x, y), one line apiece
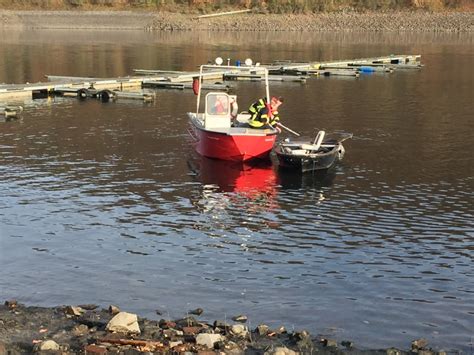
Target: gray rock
point(89, 307)
point(330, 343)
point(231, 348)
point(175, 343)
point(80, 329)
point(240, 318)
point(393, 351)
point(124, 322)
point(281, 351)
point(303, 335)
point(187, 322)
point(239, 330)
point(208, 339)
point(59, 335)
point(303, 341)
point(74, 311)
point(281, 330)
point(48, 345)
point(221, 324)
point(92, 319)
point(114, 309)
point(419, 344)
point(220, 345)
point(262, 329)
point(197, 311)
point(347, 344)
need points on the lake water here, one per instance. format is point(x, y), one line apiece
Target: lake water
point(107, 203)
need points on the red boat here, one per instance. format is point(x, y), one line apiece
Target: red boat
point(221, 132)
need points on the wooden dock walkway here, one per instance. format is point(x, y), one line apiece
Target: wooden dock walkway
point(132, 86)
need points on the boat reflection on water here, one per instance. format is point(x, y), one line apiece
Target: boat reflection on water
point(235, 185)
point(247, 194)
point(316, 181)
point(254, 179)
point(229, 176)
point(291, 180)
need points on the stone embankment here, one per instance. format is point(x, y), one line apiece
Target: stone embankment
point(90, 330)
point(390, 21)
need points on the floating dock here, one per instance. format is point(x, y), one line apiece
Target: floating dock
point(135, 87)
point(405, 61)
point(58, 84)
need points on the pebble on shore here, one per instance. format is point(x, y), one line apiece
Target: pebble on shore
point(97, 331)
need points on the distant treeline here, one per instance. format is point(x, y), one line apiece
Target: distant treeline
point(273, 6)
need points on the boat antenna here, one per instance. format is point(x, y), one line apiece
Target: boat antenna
point(267, 88)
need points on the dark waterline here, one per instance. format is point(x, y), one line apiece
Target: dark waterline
point(106, 203)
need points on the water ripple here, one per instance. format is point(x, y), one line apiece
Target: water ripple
point(378, 250)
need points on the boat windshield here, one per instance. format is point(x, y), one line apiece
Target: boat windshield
point(217, 104)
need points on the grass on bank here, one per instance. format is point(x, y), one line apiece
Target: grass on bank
point(271, 6)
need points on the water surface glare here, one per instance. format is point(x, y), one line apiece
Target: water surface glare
point(107, 204)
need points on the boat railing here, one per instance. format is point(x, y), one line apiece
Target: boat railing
point(233, 69)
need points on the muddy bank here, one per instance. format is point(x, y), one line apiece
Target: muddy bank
point(395, 21)
point(88, 329)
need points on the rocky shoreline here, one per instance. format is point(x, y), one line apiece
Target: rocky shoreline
point(386, 21)
point(91, 330)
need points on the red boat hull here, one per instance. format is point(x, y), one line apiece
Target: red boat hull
point(232, 147)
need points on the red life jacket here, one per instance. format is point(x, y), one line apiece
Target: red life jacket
point(269, 109)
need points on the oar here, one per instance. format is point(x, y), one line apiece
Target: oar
point(288, 129)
